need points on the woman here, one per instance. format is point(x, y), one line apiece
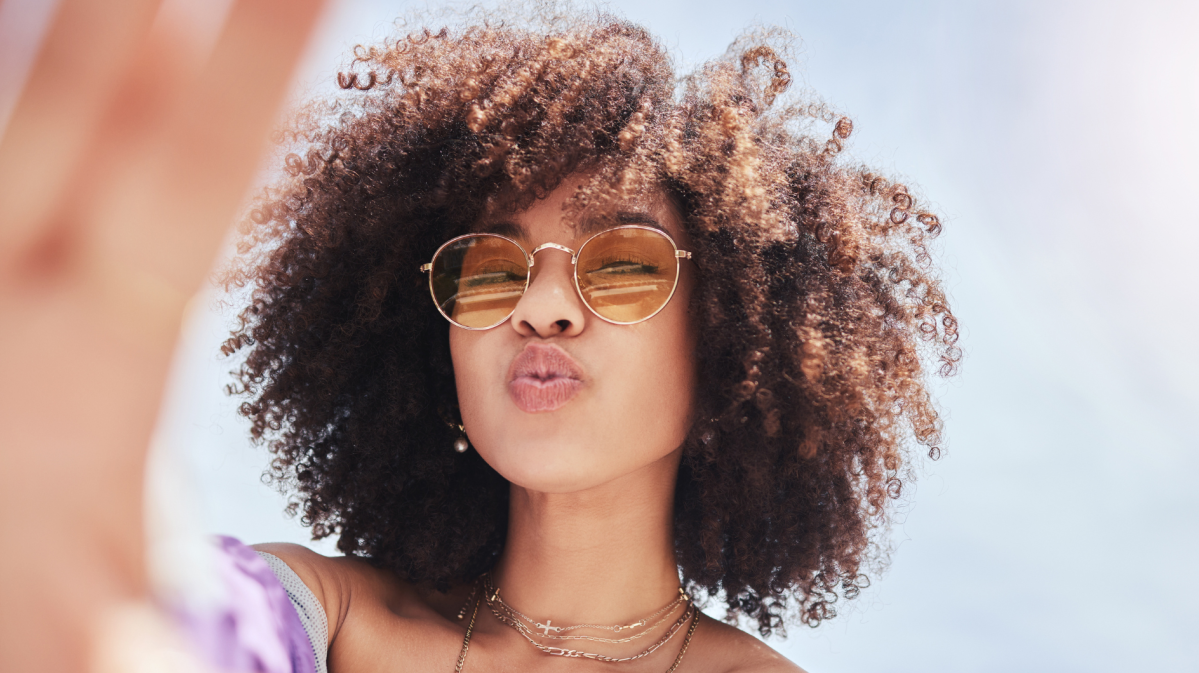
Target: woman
point(554, 344)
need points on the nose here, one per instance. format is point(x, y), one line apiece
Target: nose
point(551, 306)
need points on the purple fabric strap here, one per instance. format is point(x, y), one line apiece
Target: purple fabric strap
point(258, 630)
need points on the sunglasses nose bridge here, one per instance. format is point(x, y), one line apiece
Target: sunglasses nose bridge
point(553, 246)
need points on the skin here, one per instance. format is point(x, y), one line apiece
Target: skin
point(590, 533)
point(115, 194)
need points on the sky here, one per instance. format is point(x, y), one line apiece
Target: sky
point(1058, 141)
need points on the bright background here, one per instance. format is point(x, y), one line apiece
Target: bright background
point(1059, 141)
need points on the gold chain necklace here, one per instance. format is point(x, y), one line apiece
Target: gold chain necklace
point(691, 610)
point(507, 609)
point(579, 654)
point(547, 627)
point(466, 640)
point(495, 601)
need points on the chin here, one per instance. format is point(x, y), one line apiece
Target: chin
point(546, 466)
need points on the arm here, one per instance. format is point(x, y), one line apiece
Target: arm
point(120, 169)
point(324, 577)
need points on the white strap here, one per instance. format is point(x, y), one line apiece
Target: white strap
point(312, 615)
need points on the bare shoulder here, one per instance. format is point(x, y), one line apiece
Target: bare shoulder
point(333, 580)
point(726, 649)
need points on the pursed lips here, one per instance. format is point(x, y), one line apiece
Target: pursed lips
point(543, 377)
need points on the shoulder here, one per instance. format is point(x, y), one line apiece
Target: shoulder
point(731, 650)
point(333, 580)
point(371, 613)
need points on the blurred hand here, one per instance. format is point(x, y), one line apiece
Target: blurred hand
point(123, 164)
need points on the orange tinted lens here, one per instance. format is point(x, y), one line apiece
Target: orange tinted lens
point(478, 280)
point(627, 275)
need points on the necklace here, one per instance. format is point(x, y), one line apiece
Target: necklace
point(596, 639)
point(548, 625)
point(579, 654)
point(686, 641)
point(518, 619)
point(471, 627)
point(691, 610)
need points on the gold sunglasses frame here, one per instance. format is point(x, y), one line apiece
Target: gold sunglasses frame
point(530, 260)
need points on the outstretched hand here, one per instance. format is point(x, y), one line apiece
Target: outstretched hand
point(122, 166)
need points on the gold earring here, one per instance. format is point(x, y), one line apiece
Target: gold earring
point(460, 444)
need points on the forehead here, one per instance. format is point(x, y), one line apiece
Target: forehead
point(550, 218)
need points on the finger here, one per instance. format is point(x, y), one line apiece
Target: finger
point(86, 51)
point(166, 210)
point(151, 188)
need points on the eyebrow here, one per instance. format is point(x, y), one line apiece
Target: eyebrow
point(589, 225)
point(502, 228)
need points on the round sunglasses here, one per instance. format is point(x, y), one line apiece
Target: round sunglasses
point(624, 275)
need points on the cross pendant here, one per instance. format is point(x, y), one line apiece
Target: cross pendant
point(546, 626)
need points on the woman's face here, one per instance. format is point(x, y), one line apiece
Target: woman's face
point(558, 400)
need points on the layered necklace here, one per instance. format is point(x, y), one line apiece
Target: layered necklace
point(532, 630)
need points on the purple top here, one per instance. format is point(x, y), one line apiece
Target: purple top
point(258, 630)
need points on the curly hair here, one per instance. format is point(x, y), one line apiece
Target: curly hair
point(820, 310)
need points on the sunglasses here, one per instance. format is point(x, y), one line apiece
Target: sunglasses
point(624, 275)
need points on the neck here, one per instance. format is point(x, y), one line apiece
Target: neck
point(604, 555)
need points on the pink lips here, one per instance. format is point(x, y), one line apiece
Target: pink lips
point(543, 378)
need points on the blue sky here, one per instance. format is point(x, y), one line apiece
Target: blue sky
point(1058, 140)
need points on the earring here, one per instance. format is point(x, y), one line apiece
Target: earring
point(460, 444)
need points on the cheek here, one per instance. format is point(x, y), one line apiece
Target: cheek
point(650, 394)
point(676, 352)
point(672, 389)
point(472, 357)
